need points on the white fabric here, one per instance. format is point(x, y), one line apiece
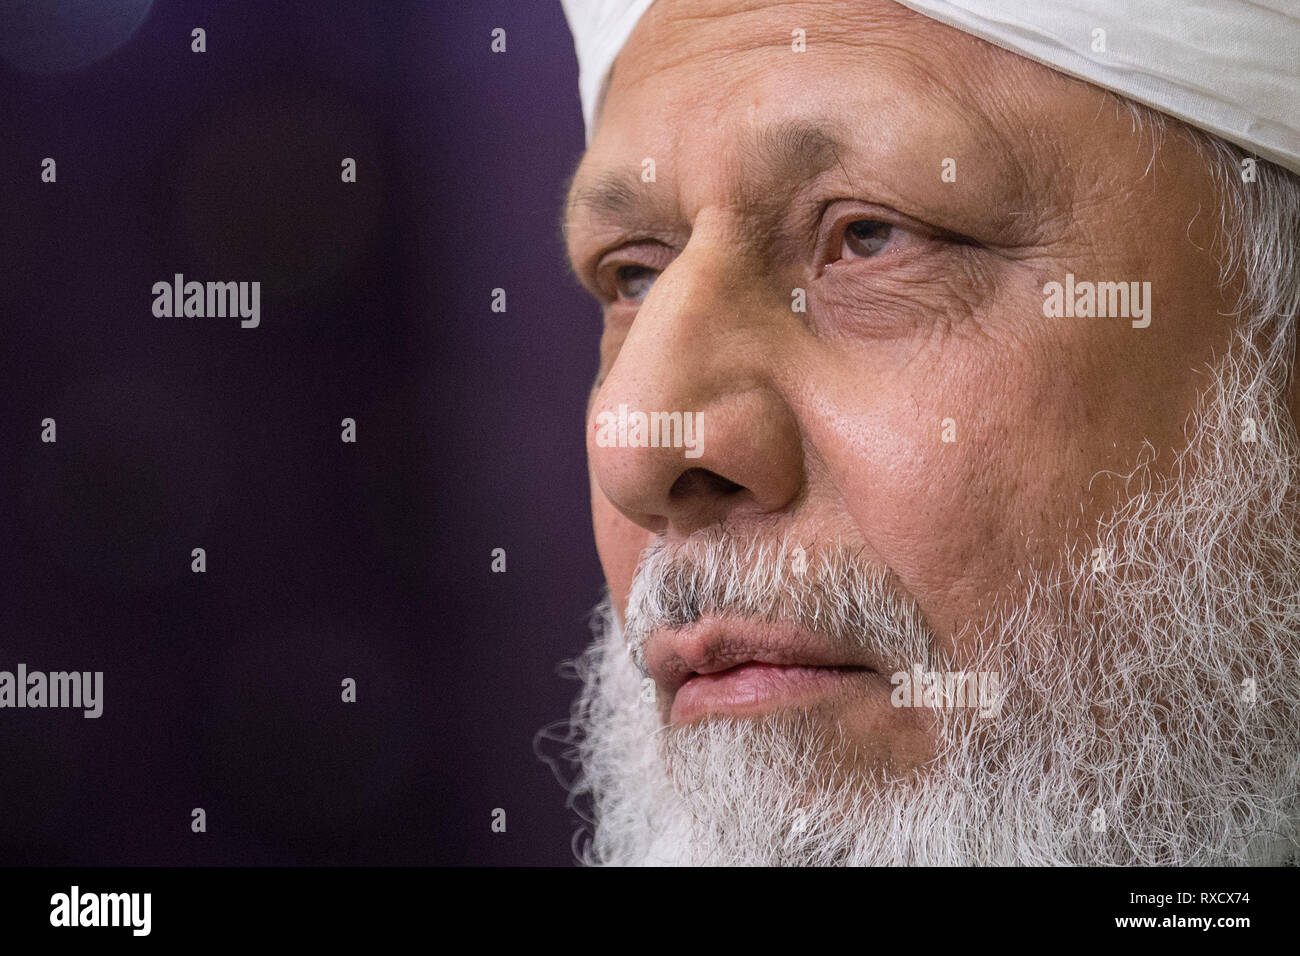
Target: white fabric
point(1231, 67)
point(600, 28)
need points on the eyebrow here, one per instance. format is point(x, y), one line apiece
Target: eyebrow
point(771, 158)
point(790, 150)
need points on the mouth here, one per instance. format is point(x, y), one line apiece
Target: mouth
point(754, 688)
point(744, 668)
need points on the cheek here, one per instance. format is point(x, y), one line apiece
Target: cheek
point(619, 543)
point(943, 475)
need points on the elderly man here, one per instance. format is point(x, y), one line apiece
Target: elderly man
point(980, 321)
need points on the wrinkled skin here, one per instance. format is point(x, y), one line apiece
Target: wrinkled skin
point(828, 424)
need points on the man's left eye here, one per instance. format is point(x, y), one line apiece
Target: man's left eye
point(864, 238)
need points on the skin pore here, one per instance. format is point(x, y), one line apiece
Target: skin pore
point(821, 171)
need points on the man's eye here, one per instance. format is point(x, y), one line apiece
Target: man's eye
point(633, 282)
point(864, 238)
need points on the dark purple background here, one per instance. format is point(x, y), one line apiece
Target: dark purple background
point(325, 560)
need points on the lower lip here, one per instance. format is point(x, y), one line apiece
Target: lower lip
point(750, 689)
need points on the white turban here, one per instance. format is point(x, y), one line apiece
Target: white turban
point(1231, 67)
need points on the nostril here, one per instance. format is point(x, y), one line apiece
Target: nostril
point(699, 482)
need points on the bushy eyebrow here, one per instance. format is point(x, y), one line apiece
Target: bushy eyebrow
point(613, 194)
point(770, 161)
point(788, 152)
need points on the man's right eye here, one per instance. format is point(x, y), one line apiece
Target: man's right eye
point(633, 282)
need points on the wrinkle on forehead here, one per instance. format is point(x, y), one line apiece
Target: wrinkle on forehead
point(938, 61)
point(721, 35)
point(673, 32)
point(991, 100)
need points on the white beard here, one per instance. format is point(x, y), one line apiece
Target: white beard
point(1129, 733)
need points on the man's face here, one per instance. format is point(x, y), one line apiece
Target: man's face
point(920, 410)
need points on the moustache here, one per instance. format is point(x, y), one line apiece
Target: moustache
point(831, 590)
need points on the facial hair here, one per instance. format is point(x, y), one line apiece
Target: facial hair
point(1149, 713)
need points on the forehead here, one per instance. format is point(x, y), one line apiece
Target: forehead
point(718, 37)
point(698, 81)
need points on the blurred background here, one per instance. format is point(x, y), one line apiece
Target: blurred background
point(325, 560)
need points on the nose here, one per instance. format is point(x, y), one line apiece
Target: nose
point(706, 345)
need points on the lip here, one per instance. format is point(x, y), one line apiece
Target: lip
point(742, 667)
